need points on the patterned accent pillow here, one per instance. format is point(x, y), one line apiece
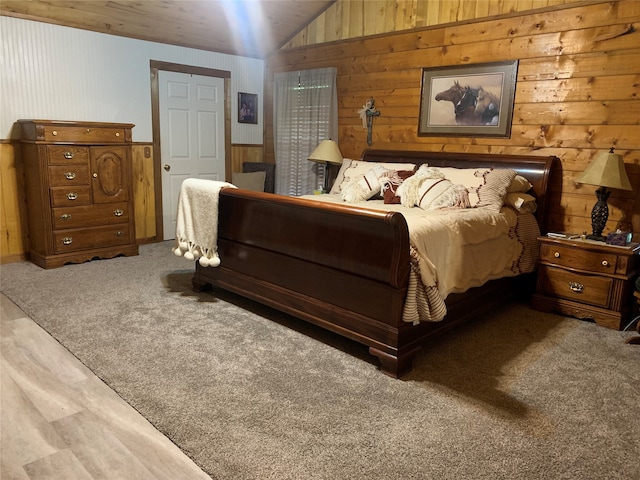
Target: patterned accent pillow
point(390, 184)
point(486, 187)
point(364, 187)
point(429, 190)
point(351, 169)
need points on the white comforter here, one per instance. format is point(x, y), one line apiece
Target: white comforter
point(456, 249)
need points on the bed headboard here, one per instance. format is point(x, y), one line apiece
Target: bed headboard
point(536, 169)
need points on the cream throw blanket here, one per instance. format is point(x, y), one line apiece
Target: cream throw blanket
point(197, 221)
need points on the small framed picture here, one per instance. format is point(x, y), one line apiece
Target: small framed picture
point(247, 108)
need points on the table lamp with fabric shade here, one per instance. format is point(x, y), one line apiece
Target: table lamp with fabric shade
point(327, 152)
point(606, 170)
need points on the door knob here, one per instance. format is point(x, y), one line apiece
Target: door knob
point(167, 167)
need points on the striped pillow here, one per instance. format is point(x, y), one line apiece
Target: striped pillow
point(487, 187)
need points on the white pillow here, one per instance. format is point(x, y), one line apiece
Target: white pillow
point(351, 169)
point(486, 187)
point(364, 187)
point(429, 190)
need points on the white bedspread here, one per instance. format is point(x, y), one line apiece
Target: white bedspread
point(197, 221)
point(453, 250)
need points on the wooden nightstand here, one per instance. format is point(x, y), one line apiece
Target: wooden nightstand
point(587, 279)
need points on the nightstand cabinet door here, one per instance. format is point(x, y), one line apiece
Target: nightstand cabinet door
point(587, 279)
point(79, 191)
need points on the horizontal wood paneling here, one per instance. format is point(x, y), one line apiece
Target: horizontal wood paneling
point(356, 18)
point(576, 93)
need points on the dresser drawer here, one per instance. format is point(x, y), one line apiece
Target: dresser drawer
point(88, 238)
point(90, 216)
point(83, 134)
point(67, 155)
point(587, 289)
point(70, 196)
point(61, 175)
point(565, 256)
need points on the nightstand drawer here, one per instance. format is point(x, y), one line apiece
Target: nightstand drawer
point(571, 257)
point(586, 289)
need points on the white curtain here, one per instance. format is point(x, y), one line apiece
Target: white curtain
point(305, 113)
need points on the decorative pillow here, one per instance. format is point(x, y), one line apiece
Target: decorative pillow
point(364, 187)
point(351, 169)
point(522, 202)
point(390, 184)
point(429, 190)
point(486, 187)
point(336, 187)
point(519, 184)
point(249, 181)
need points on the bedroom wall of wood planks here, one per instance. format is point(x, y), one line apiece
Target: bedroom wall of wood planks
point(577, 92)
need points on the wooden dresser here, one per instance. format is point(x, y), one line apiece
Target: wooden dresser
point(587, 279)
point(79, 190)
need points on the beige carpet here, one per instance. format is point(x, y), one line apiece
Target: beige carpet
point(250, 393)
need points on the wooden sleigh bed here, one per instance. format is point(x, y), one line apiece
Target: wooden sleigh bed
point(345, 268)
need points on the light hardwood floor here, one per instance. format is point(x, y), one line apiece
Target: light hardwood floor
point(60, 421)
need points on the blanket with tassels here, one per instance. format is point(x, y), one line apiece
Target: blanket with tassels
point(197, 221)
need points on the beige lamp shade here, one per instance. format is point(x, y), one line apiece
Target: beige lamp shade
point(327, 152)
point(606, 170)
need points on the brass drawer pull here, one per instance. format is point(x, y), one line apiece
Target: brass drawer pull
point(70, 175)
point(65, 216)
point(119, 233)
point(67, 240)
point(67, 155)
point(576, 287)
point(72, 195)
point(117, 134)
point(557, 254)
point(605, 263)
point(118, 212)
point(54, 133)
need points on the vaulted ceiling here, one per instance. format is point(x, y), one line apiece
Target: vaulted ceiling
point(252, 28)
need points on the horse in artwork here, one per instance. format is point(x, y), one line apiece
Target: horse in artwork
point(488, 107)
point(464, 106)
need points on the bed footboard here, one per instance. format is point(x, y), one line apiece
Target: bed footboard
point(345, 269)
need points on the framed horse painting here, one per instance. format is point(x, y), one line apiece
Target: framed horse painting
point(468, 101)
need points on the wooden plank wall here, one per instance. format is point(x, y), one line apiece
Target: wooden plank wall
point(577, 94)
point(13, 204)
point(359, 18)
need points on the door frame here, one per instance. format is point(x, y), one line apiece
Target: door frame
point(155, 67)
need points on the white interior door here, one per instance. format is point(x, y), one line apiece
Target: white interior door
point(191, 135)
